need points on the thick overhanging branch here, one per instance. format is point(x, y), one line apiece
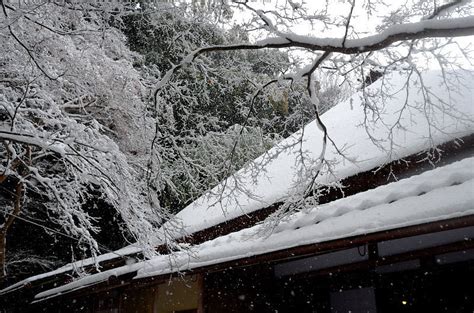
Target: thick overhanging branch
point(28, 139)
point(55, 145)
point(447, 28)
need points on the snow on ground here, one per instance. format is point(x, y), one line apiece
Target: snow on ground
point(435, 195)
point(280, 176)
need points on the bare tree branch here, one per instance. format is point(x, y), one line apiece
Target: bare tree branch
point(348, 23)
point(438, 10)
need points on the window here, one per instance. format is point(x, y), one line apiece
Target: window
point(322, 261)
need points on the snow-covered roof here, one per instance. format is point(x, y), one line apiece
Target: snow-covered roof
point(343, 124)
point(450, 115)
point(435, 195)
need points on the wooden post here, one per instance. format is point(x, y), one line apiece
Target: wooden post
point(200, 286)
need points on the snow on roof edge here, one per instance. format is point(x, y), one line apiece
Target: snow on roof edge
point(123, 252)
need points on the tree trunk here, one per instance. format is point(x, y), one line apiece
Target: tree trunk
point(3, 242)
point(4, 230)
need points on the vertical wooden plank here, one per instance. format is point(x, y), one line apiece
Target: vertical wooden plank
point(200, 283)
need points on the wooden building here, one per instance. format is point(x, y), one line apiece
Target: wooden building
point(397, 235)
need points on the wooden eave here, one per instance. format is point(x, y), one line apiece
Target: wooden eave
point(344, 243)
point(126, 281)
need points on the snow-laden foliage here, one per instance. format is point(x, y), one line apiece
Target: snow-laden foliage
point(73, 120)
